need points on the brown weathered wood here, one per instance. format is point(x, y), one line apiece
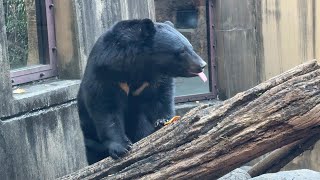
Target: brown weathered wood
point(276, 160)
point(210, 141)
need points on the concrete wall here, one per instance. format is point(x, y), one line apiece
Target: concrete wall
point(290, 31)
point(40, 136)
point(236, 45)
point(79, 23)
point(94, 17)
point(256, 40)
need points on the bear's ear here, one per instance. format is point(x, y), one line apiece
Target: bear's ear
point(147, 28)
point(169, 23)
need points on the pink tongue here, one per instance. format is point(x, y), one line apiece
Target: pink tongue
point(203, 76)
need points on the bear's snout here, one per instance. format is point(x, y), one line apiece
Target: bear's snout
point(197, 64)
point(203, 64)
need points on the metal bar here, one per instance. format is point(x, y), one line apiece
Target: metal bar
point(33, 77)
point(51, 34)
point(211, 39)
point(197, 97)
point(29, 70)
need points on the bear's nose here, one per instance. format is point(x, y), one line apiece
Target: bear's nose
point(203, 64)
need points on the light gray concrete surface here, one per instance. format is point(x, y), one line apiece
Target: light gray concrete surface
point(5, 84)
point(44, 144)
point(95, 17)
point(237, 174)
point(42, 139)
point(302, 174)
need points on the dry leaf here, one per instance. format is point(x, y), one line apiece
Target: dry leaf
point(19, 91)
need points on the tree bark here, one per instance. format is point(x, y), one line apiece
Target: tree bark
point(208, 142)
point(276, 160)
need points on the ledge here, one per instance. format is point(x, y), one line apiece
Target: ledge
point(57, 92)
point(41, 96)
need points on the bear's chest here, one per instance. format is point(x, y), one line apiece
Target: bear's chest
point(137, 90)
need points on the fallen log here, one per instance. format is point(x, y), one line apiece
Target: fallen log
point(208, 142)
point(276, 160)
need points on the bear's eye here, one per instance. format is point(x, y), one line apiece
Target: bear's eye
point(182, 51)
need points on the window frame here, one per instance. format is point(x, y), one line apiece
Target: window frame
point(211, 62)
point(41, 71)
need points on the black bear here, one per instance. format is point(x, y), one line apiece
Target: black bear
point(128, 84)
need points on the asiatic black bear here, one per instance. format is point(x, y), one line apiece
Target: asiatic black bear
point(128, 84)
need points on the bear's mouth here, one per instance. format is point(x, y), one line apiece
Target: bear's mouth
point(202, 76)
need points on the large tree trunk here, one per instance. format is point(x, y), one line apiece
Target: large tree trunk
point(208, 142)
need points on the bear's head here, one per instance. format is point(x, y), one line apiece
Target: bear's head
point(173, 54)
point(158, 47)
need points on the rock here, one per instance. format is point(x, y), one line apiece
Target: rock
point(237, 174)
point(303, 174)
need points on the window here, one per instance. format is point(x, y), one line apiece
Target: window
point(187, 19)
point(30, 39)
point(193, 20)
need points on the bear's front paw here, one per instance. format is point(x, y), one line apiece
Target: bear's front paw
point(159, 123)
point(118, 149)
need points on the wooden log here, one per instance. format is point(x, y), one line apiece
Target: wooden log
point(276, 160)
point(208, 142)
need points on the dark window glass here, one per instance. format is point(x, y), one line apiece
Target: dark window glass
point(187, 19)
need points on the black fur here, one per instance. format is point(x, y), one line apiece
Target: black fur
point(132, 52)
